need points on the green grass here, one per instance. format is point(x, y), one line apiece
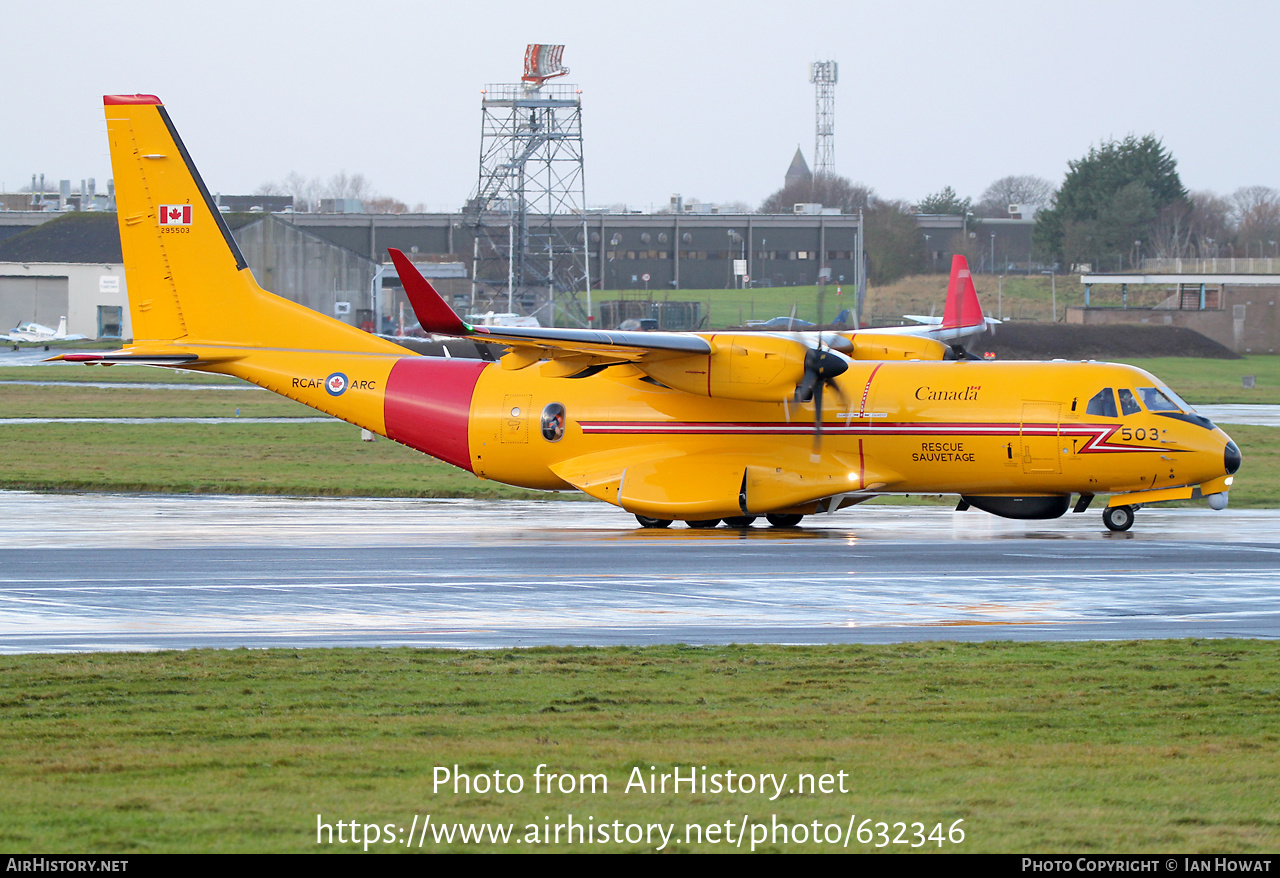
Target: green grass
point(1217, 382)
point(1080, 747)
point(1017, 298)
point(294, 459)
point(72, 401)
point(113, 374)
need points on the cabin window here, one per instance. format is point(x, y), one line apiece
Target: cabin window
point(1103, 404)
point(1155, 401)
point(1128, 402)
point(553, 422)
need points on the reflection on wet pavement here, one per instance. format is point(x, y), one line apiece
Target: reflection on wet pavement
point(87, 572)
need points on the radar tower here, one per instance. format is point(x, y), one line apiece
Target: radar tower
point(528, 209)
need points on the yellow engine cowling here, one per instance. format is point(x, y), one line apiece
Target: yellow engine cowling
point(884, 346)
point(750, 366)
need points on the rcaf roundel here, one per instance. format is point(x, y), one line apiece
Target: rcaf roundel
point(175, 214)
point(336, 384)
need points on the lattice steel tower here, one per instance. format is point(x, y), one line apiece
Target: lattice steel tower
point(528, 208)
point(823, 76)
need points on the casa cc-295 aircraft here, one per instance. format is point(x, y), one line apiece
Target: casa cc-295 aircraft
point(704, 427)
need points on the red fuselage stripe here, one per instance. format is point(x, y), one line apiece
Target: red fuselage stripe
point(1097, 434)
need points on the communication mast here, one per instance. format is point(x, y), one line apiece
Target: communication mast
point(823, 76)
point(528, 210)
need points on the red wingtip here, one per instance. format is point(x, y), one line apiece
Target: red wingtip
point(432, 312)
point(108, 100)
point(962, 308)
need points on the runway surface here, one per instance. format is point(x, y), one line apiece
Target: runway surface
point(112, 572)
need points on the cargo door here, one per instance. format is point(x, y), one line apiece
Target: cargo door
point(1040, 427)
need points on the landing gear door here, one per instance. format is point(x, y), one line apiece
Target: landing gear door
point(1040, 437)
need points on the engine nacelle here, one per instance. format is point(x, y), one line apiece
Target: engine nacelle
point(754, 367)
point(885, 346)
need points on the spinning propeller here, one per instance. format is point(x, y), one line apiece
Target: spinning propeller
point(822, 366)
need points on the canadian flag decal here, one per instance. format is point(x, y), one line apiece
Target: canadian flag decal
point(175, 214)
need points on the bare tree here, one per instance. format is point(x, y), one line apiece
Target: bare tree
point(1017, 189)
point(1171, 236)
point(343, 185)
point(894, 245)
point(385, 204)
point(305, 191)
point(828, 190)
point(1210, 223)
point(1256, 211)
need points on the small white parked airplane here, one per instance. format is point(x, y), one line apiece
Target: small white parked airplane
point(38, 332)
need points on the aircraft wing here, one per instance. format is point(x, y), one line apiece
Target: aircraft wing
point(531, 344)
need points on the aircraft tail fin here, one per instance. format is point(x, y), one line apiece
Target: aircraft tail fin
point(188, 281)
point(962, 308)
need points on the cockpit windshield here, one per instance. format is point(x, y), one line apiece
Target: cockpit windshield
point(1155, 401)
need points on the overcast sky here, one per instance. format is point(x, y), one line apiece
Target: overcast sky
point(708, 99)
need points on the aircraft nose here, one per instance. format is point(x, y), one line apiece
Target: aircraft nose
point(1231, 457)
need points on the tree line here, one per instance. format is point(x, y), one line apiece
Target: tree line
point(1121, 202)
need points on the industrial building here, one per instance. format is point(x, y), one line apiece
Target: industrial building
point(1232, 301)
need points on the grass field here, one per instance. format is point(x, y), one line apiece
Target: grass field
point(295, 459)
point(1089, 747)
point(1217, 382)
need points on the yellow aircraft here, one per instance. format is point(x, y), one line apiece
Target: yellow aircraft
point(699, 427)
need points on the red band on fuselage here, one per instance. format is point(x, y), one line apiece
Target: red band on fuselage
point(428, 406)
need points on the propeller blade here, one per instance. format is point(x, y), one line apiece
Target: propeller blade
point(817, 416)
point(821, 367)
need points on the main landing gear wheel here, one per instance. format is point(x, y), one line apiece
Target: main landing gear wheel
point(1118, 518)
point(704, 524)
point(645, 521)
point(740, 521)
point(783, 520)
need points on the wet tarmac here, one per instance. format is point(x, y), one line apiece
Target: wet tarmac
point(1256, 415)
point(122, 572)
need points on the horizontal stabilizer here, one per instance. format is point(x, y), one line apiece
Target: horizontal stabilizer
point(136, 358)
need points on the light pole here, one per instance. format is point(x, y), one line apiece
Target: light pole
point(1000, 297)
point(926, 245)
point(993, 252)
point(1053, 287)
